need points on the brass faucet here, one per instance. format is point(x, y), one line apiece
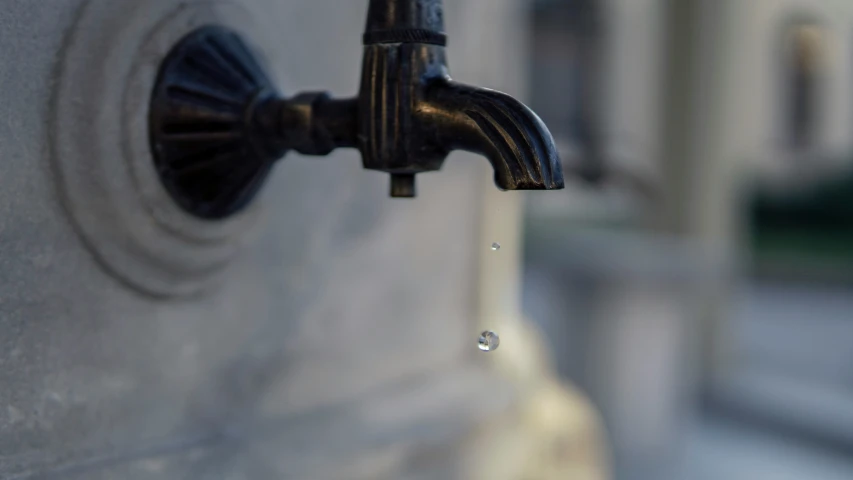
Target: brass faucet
point(217, 124)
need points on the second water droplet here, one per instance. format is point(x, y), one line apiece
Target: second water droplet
point(496, 246)
point(488, 341)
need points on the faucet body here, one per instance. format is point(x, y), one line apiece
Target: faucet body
point(408, 116)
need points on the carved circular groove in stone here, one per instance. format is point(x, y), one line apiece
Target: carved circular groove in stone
point(101, 154)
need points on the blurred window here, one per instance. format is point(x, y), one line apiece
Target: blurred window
point(788, 342)
point(804, 48)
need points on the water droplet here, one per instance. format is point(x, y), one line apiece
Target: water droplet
point(496, 246)
point(488, 341)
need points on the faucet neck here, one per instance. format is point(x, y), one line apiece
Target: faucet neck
point(405, 21)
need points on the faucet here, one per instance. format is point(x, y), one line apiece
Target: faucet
point(217, 124)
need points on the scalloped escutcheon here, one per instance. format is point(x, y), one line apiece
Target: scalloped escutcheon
point(204, 143)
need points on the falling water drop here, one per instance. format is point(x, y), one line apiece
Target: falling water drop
point(488, 341)
point(496, 246)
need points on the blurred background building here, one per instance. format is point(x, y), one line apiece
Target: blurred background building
point(700, 290)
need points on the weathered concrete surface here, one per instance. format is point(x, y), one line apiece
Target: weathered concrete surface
point(338, 345)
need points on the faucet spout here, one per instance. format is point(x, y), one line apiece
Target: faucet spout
point(510, 135)
point(411, 114)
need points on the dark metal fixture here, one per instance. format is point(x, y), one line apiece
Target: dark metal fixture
point(217, 124)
